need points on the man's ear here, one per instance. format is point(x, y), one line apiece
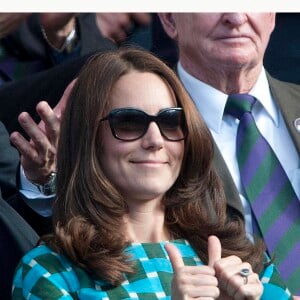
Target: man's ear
point(168, 23)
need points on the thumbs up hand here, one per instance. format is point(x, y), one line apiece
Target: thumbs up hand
point(232, 285)
point(220, 280)
point(191, 282)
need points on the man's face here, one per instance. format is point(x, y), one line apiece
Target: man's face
point(234, 40)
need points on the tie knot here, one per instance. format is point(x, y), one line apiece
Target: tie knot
point(238, 104)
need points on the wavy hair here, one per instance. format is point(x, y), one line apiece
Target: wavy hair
point(88, 211)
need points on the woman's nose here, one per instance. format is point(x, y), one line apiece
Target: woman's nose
point(153, 137)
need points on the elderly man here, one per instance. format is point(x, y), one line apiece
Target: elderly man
point(221, 55)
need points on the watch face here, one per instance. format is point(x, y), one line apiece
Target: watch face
point(49, 188)
point(71, 41)
point(69, 44)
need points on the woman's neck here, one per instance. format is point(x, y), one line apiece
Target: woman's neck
point(146, 224)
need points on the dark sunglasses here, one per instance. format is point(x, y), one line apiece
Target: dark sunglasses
point(130, 124)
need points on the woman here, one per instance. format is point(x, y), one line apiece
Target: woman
point(135, 171)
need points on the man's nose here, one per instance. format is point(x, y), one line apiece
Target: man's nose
point(234, 19)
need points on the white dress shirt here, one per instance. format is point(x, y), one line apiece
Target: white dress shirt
point(211, 103)
point(34, 198)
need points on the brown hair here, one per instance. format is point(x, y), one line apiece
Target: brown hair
point(88, 212)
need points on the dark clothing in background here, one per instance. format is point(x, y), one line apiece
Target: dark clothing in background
point(282, 57)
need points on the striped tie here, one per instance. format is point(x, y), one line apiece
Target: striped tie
point(268, 189)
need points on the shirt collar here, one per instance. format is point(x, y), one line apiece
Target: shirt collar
point(261, 91)
point(210, 102)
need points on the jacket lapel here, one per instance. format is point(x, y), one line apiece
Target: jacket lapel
point(287, 97)
point(231, 192)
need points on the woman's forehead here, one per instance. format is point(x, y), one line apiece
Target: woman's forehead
point(142, 90)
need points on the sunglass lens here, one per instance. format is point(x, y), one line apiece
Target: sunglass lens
point(171, 123)
point(128, 125)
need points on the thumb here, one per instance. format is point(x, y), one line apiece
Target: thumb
point(175, 257)
point(214, 250)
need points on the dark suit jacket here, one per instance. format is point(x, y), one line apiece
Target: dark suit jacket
point(9, 160)
point(9, 171)
point(282, 57)
point(287, 97)
point(27, 46)
point(16, 238)
point(24, 94)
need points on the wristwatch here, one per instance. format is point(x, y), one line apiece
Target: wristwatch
point(69, 44)
point(49, 188)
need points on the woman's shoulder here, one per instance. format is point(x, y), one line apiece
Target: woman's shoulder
point(41, 249)
point(42, 271)
point(45, 256)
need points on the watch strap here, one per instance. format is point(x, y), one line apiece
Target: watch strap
point(69, 44)
point(49, 188)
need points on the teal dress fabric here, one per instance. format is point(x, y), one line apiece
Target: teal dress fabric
point(44, 274)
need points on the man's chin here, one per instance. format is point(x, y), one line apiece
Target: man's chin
point(236, 61)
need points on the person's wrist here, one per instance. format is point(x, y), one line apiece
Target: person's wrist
point(49, 187)
point(64, 39)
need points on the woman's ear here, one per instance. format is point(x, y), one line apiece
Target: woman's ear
point(169, 25)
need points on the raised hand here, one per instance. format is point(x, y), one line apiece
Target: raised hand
point(38, 156)
point(57, 26)
point(191, 282)
point(117, 26)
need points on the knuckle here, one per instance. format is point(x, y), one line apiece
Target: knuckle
point(27, 152)
point(236, 280)
point(43, 161)
point(256, 277)
point(247, 265)
point(40, 140)
point(215, 292)
point(185, 290)
point(181, 279)
point(51, 152)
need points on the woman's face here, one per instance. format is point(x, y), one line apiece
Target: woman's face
point(146, 168)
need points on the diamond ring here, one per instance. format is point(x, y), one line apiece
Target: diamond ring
point(245, 273)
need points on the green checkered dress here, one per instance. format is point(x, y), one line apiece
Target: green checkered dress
point(44, 274)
